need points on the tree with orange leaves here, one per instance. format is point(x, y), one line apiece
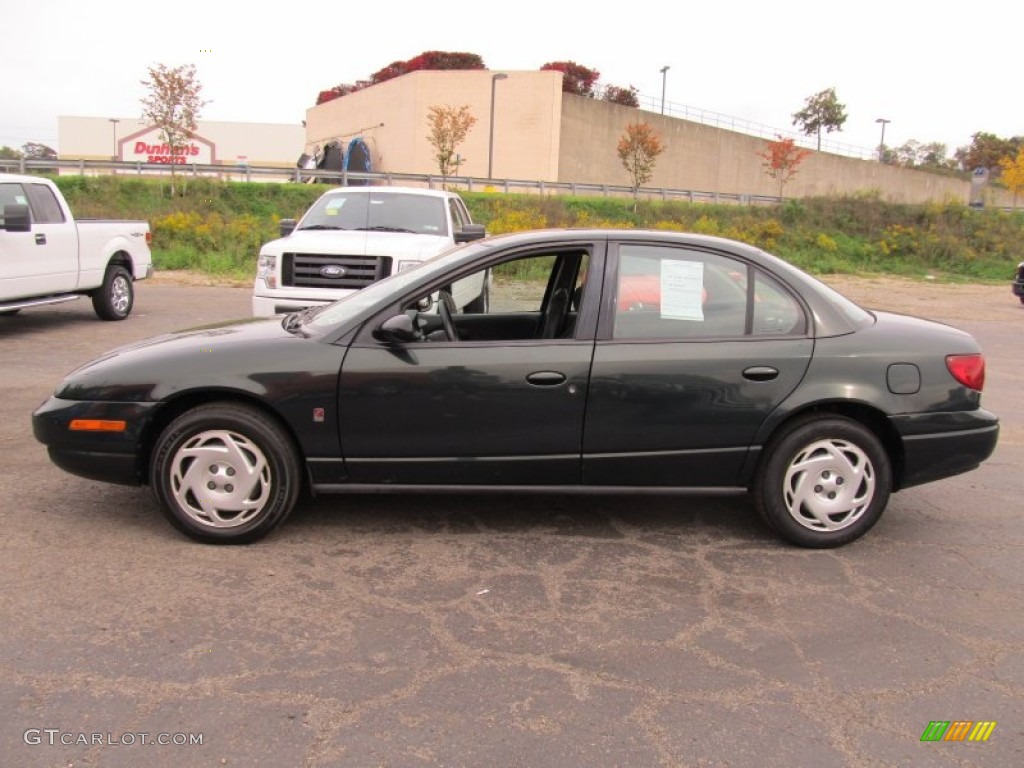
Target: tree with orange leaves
point(781, 159)
point(638, 148)
point(1012, 175)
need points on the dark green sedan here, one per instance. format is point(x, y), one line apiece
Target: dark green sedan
point(599, 362)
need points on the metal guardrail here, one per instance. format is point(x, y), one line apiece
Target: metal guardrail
point(345, 178)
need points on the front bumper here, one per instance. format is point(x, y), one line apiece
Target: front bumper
point(267, 301)
point(1018, 288)
point(938, 445)
point(112, 457)
point(268, 306)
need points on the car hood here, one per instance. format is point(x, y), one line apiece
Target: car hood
point(359, 243)
point(217, 355)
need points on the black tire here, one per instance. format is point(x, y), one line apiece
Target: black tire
point(823, 482)
point(115, 298)
point(196, 458)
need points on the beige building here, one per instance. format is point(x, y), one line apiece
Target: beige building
point(216, 143)
point(392, 119)
point(542, 134)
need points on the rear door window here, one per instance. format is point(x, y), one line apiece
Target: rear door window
point(45, 208)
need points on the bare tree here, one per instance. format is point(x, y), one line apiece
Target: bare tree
point(173, 105)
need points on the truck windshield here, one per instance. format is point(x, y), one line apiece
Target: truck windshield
point(378, 211)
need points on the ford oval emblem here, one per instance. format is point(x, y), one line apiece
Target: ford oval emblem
point(332, 270)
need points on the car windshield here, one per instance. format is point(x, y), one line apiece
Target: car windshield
point(381, 211)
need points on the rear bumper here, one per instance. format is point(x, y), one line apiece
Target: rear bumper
point(941, 445)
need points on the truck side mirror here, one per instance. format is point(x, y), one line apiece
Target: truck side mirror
point(399, 328)
point(286, 227)
point(16, 218)
point(470, 232)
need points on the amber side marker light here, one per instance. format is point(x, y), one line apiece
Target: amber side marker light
point(969, 370)
point(97, 425)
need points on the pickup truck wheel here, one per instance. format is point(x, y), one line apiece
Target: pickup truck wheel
point(225, 473)
point(114, 299)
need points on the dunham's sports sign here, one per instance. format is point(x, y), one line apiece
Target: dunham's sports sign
point(147, 147)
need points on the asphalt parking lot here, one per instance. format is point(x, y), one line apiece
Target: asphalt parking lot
point(462, 631)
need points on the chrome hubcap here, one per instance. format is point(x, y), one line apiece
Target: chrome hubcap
point(220, 479)
point(829, 485)
point(119, 294)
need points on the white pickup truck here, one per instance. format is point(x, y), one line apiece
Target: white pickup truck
point(354, 236)
point(46, 257)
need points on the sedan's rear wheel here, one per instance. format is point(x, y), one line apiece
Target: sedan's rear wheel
point(225, 473)
point(824, 482)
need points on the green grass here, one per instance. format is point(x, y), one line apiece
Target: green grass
point(230, 265)
point(217, 227)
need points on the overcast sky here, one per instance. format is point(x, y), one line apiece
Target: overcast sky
point(939, 70)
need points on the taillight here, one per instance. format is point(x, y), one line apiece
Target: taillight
point(969, 370)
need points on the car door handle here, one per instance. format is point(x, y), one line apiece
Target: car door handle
point(760, 373)
point(40, 239)
point(546, 378)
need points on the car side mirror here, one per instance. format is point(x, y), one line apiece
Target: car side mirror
point(17, 218)
point(470, 232)
point(399, 328)
point(286, 227)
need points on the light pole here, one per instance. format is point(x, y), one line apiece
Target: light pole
point(113, 123)
point(881, 144)
point(490, 146)
point(664, 76)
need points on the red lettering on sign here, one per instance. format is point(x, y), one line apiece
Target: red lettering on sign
point(142, 148)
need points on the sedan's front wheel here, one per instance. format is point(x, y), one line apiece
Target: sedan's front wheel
point(824, 482)
point(225, 473)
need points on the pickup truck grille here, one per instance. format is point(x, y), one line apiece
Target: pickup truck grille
point(307, 270)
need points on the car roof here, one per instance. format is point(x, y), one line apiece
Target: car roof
point(422, 191)
point(15, 177)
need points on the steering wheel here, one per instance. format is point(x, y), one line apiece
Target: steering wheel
point(446, 308)
point(554, 313)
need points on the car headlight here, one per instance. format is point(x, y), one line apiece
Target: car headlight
point(404, 265)
point(266, 270)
